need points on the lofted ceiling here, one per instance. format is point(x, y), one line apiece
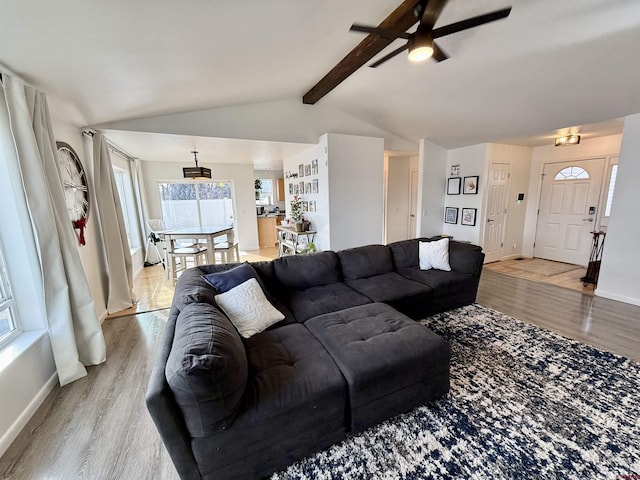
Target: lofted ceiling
point(550, 66)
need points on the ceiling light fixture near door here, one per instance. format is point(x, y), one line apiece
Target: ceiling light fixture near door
point(196, 172)
point(566, 140)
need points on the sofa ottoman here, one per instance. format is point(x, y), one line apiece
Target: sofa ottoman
point(391, 363)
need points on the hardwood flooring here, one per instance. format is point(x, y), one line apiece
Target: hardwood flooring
point(98, 428)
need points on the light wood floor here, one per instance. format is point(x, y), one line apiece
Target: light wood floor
point(153, 291)
point(98, 428)
point(567, 279)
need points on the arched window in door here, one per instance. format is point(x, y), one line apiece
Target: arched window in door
point(572, 173)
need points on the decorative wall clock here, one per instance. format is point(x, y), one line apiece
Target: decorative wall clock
point(74, 183)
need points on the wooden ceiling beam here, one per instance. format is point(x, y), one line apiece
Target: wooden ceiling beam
point(401, 19)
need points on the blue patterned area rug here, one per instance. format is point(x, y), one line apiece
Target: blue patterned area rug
point(524, 403)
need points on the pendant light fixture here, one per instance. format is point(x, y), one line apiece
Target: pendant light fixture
point(196, 172)
point(565, 140)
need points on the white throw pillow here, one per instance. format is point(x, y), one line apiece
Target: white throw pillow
point(248, 308)
point(435, 255)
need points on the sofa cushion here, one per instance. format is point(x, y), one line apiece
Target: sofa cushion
point(388, 287)
point(314, 301)
point(229, 279)
point(248, 308)
point(191, 288)
point(466, 257)
point(405, 252)
point(367, 261)
point(206, 369)
point(440, 281)
point(391, 363)
point(294, 404)
point(304, 271)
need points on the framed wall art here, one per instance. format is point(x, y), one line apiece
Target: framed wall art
point(453, 186)
point(470, 185)
point(314, 186)
point(451, 215)
point(468, 216)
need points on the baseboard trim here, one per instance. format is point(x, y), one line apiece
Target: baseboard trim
point(614, 296)
point(15, 429)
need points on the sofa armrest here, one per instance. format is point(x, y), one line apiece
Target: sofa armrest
point(166, 415)
point(465, 257)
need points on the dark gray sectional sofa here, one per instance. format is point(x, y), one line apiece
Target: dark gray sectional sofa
point(346, 356)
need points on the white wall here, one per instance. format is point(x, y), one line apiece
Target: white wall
point(356, 190)
point(243, 189)
point(519, 159)
point(398, 191)
point(286, 120)
point(621, 256)
point(432, 172)
point(588, 148)
point(472, 161)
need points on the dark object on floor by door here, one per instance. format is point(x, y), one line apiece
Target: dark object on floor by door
point(593, 269)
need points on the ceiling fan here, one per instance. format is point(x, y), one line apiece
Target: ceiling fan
point(420, 43)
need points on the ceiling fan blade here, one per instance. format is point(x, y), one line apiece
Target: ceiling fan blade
point(401, 19)
point(438, 54)
point(389, 56)
point(432, 11)
point(471, 22)
point(381, 32)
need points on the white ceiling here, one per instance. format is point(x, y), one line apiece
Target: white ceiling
point(551, 65)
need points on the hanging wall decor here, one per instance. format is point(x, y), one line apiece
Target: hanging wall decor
point(453, 186)
point(75, 185)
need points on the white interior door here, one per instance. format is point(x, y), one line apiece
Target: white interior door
point(568, 210)
point(498, 191)
point(413, 195)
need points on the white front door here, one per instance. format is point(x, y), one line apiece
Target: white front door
point(498, 190)
point(568, 210)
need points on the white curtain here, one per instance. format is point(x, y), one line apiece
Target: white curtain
point(74, 328)
point(112, 230)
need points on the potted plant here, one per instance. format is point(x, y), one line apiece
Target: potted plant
point(296, 212)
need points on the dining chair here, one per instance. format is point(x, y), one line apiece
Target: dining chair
point(179, 259)
point(229, 250)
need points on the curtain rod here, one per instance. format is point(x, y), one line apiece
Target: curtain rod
point(110, 145)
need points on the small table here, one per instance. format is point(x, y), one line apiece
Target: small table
point(207, 233)
point(289, 241)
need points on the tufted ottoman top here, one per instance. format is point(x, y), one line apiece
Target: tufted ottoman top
point(380, 351)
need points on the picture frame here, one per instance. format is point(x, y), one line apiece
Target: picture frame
point(291, 189)
point(305, 206)
point(455, 170)
point(470, 185)
point(468, 216)
point(312, 206)
point(296, 190)
point(451, 215)
point(314, 167)
point(314, 186)
point(301, 188)
point(307, 170)
point(301, 170)
point(307, 188)
point(453, 185)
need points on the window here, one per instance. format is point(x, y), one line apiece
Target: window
point(612, 186)
point(572, 173)
point(196, 204)
point(125, 192)
point(8, 320)
point(264, 196)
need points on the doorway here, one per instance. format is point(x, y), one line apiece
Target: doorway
point(498, 192)
point(568, 213)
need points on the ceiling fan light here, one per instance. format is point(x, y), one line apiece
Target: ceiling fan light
point(420, 53)
point(420, 45)
point(571, 139)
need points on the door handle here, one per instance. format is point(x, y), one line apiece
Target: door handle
point(489, 220)
point(587, 219)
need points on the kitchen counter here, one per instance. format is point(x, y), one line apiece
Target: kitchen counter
point(267, 234)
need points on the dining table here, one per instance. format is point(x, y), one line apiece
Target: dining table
point(207, 233)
